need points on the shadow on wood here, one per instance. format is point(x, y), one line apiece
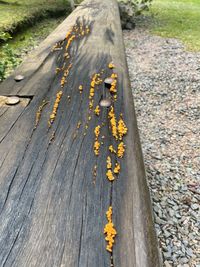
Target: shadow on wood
point(53, 182)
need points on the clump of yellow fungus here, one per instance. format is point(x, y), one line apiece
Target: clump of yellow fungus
point(91, 104)
point(70, 40)
point(97, 131)
point(110, 231)
point(81, 31)
point(113, 88)
point(117, 168)
point(121, 150)
point(52, 137)
point(113, 122)
point(55, 107)
point(62, 82)
point(94, 174)
point(57, 46)
point(110, 175)
point(109, 172)
point(78, 30)
point(109, 163)
point(80, 89)
point(74, 32)
point(97, 110)
point(114, 75)
point(58, 70)
point(96, 80)
point(92, 83)
point(118, 129)
point(91, 93)
point(111, 65)
point(66, 73)
point(68, 34)
point(39, 113)
point(111, 149)
point(78, 125)
point(95, 170)
point(122, 129)
point(96, 147)
point(97, 143)
point(66, 55)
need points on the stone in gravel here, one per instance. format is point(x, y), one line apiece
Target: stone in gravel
point(195, 206)
point(176, 187)
point(191, 236)
point(184, 188)
point(167, 234)
point(175, 221)
point(167, 264)
point(159, 221)
point(171, 212)
point(167, 255)
point(164, 248)
point(185, 242)
point(156, 208)
point(189, 252)
point(175, 207)
point(178, 216)
point(184, 260)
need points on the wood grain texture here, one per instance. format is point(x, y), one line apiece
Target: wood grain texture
point(52, 207)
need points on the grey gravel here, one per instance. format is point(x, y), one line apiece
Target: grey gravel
point(165, 81)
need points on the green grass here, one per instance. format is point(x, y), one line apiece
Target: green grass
point(179, 19)
point(33, 35)
point(23, 42)
point(17, 13)
point(27, 22)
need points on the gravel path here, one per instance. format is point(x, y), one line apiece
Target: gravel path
point(166, 87)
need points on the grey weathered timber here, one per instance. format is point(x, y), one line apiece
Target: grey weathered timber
point(53, 206)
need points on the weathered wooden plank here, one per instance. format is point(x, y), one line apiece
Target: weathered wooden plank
point(52, 202)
